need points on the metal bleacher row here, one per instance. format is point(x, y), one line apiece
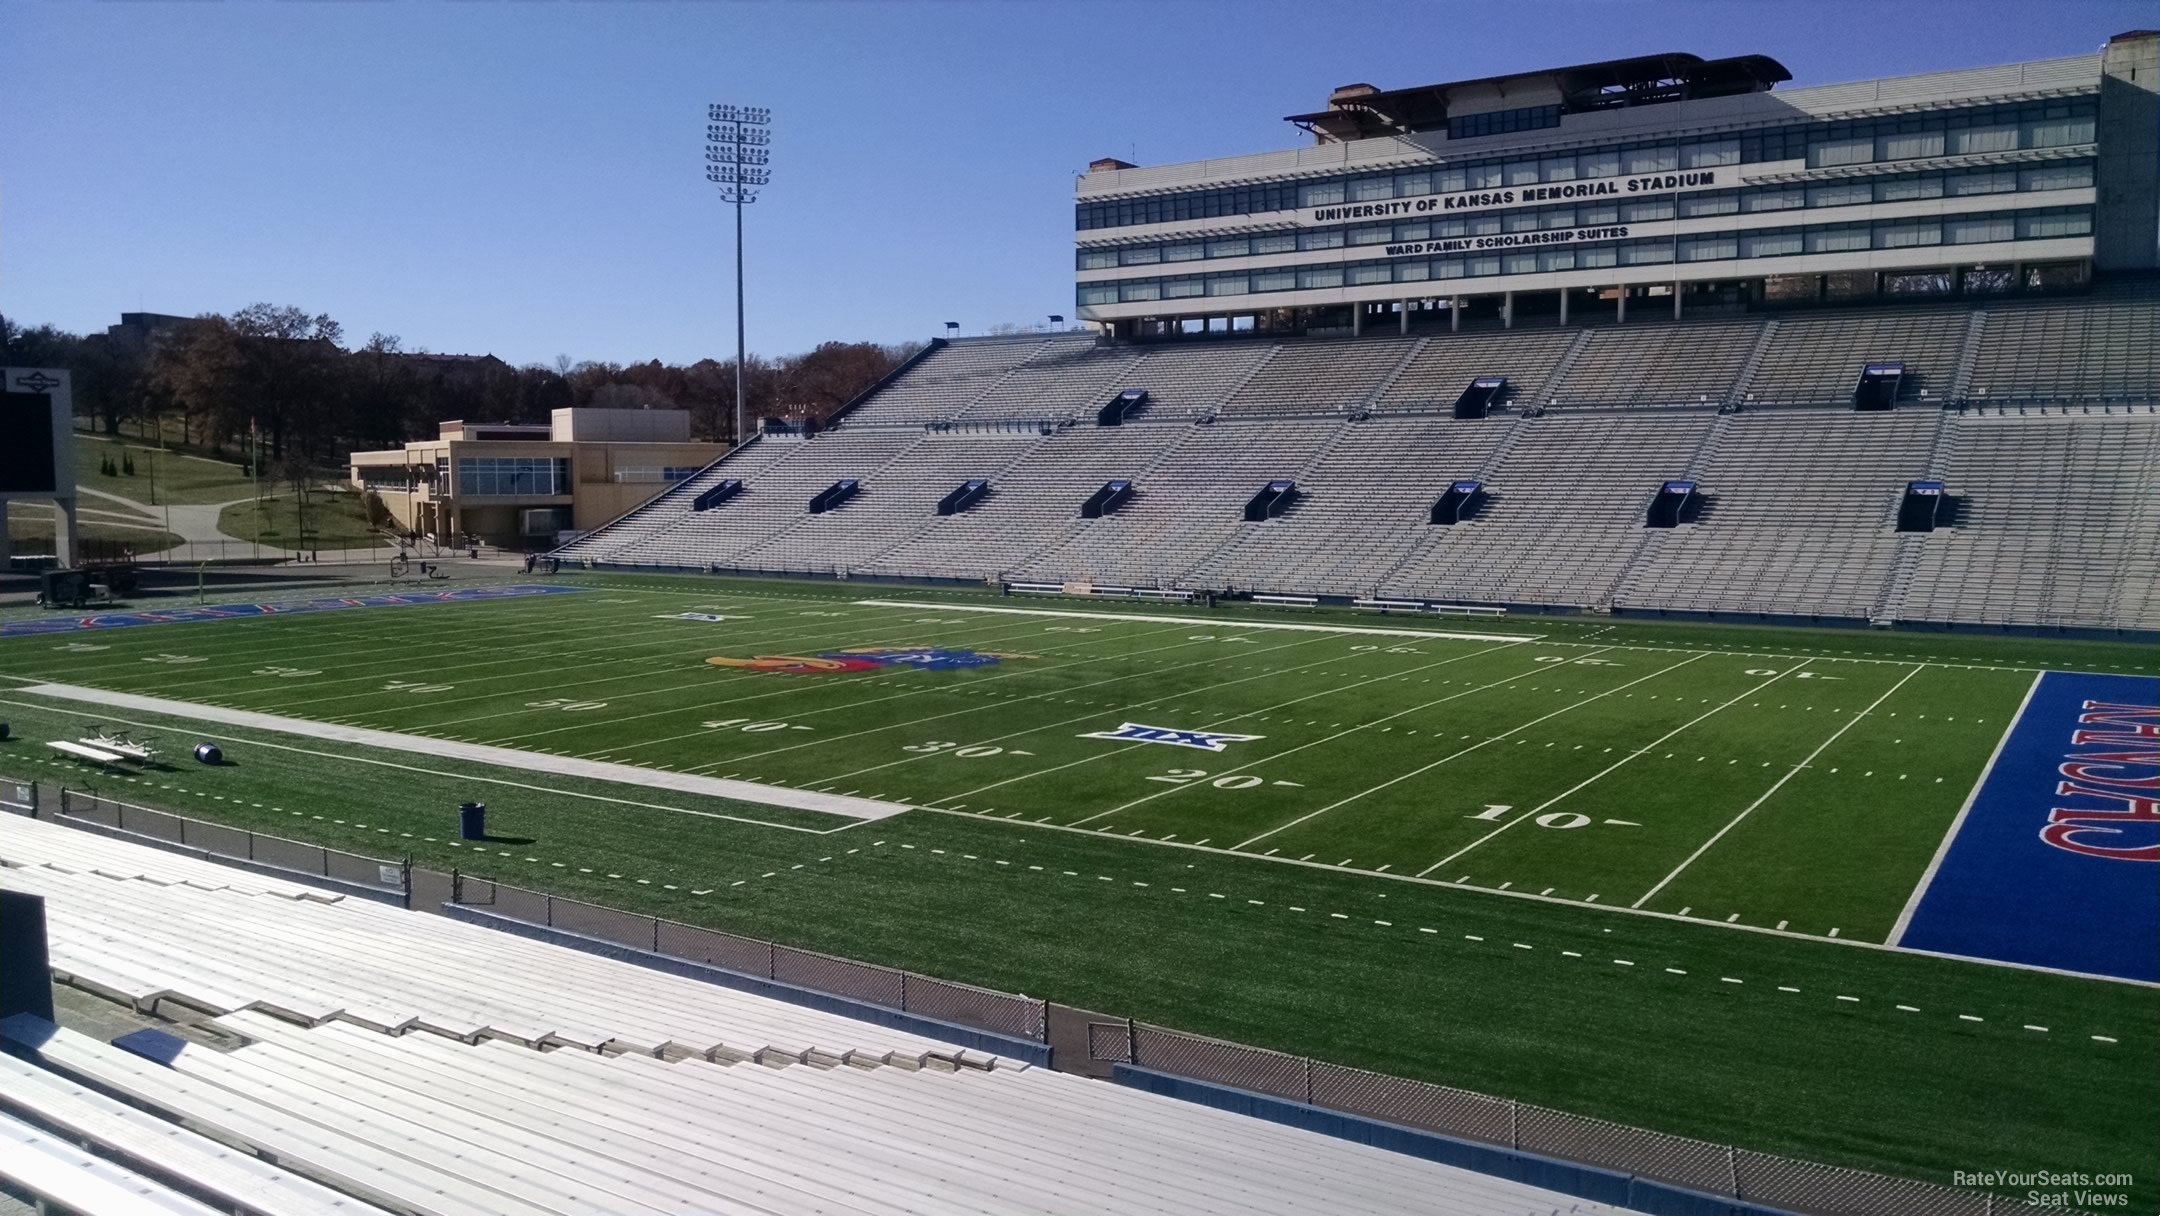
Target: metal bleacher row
point(1797, 492)
point(367, 1059)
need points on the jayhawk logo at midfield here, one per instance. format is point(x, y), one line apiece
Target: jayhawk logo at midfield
point(867, 658)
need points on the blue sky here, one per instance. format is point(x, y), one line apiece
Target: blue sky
point(524, 179)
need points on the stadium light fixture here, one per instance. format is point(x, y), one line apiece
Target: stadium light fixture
point(952, 327)
point(738, 146)
point(1056, 320)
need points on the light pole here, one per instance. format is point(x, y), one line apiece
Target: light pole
point(738, 141)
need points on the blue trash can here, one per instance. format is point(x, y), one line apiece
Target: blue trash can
point(472, 820)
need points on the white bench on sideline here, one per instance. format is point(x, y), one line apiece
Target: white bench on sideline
point(83, 751)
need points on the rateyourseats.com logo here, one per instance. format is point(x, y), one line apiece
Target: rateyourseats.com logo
point(1205, 740)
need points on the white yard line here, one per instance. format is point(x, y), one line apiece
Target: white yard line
point(1325, 692)
point(1779, 784)
point(798, 684)
point(1212, 622)
point(1580, 905)
point(540, 762)
point(1467, 750)
point(1051, 695)
point(1609, 769)
point(1927, 877)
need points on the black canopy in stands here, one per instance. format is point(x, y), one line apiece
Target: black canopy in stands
point(1121, 407)
point(833, 495)
point(1113, 495)
point(1878, 386)
point(967, 495)
point(716, 495)
point(1922, 507)
point(1675, 504)
point(1479, 399)
point(1459, 503)
point(1273, 499)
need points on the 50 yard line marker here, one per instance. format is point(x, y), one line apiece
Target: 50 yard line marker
point(1779, 784)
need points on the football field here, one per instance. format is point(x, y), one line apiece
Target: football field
point(1483, 851)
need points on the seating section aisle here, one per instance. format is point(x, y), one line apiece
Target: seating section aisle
point(306, 1117)
point(2056, 516)
point(1564, 514)
point(1364, 505)
point(1816, 360)
point(1801, 520)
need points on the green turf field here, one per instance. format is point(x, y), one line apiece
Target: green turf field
point(1632, 870)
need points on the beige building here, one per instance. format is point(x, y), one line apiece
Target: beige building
point(522, 485)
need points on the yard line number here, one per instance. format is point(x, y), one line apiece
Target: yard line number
point(565, 703)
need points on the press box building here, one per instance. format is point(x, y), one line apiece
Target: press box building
point(1651, 186)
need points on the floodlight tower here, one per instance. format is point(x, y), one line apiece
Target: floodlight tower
point(738, 142)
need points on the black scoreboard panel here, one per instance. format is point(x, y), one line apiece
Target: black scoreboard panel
point(26, 444)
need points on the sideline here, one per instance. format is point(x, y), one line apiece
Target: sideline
point(1211, 622)
point(503, 757)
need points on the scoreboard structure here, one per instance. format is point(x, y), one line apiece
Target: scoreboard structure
point(37, 450)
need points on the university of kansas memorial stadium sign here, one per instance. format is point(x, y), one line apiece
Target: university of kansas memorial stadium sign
point(1515, 196)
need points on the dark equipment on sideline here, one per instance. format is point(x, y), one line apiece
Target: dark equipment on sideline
point(209, 753)
point(472, 820)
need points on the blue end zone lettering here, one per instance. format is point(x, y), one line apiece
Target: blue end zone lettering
point(2057, 863)
point(220, 612)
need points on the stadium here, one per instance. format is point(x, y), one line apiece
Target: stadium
point(1580, 642)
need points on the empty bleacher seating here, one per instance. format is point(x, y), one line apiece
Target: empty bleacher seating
point(2104, 350)
point(1803, 507)
point(1312, 409)
point(298, 1115)
point(1813, 359)
point(1320, 377)
point(2054, 524)
point(1563, 513)
point(1434, 377)
point(1657, 365)
point(1188, 503)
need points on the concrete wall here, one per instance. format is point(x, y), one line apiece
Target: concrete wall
point(2126, 229)
point(620, 426)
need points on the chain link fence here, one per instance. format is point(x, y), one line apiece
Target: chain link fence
point(240, 844)
point(926, 996)
point(1698, 1165)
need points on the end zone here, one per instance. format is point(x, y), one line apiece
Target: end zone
point(2055, 860)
